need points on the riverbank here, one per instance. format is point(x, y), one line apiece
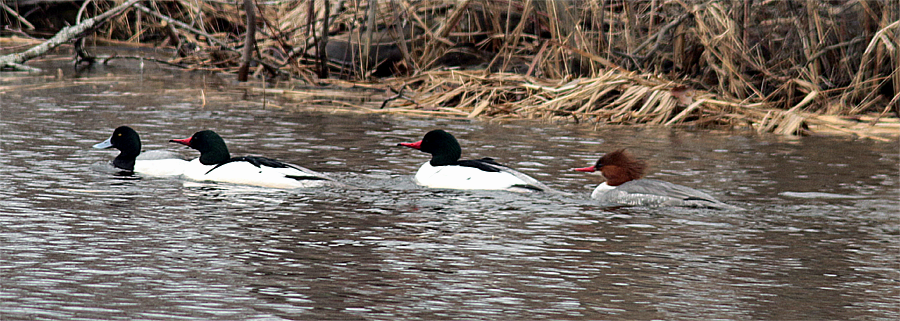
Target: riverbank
point(654, 103)
point(488, 97)
point(789, 68)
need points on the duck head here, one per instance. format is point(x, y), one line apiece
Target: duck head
point(128, 142)
point(211, 146)
point(443, 147)
point(617, 167)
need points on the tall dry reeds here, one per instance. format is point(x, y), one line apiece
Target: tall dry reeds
point(764, 63)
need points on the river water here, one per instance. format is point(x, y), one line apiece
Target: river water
point(819, 239)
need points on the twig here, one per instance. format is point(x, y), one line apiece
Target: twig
point(184, 26)
point(601, 60)
point(64, 35)
point(278, 35)
point(106, 59)
point(659, 35)
point(537, 57)
point(80, 54)
point(399, 95)
point(323, 43)
point(825, 50)
point(412, 12)
point(366, 59)
point(14, 14)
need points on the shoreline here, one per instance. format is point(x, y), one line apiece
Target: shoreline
point(538, 99)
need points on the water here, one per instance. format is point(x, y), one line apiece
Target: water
point(819, 238)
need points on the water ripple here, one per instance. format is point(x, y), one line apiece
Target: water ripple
point(79, 244)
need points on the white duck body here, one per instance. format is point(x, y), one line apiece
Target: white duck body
point(247, 173)
point(445, 170)
point(471, 178)
point(215, 164)
point(160, 167)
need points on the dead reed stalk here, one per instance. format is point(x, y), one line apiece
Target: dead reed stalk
point(770, 65)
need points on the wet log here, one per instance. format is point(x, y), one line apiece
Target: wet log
point(63, 36)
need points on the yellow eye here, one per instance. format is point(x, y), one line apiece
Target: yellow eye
point(119, 134)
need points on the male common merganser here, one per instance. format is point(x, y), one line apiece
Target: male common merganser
point(216, 164)
point(624, 186)
point(130, 159)
point(445, 170)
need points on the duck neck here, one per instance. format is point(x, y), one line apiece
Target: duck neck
point(601, 189)
point(215, 155)
point(125, 161)
point(618, 175)
point(446, 155)
point(444, 159)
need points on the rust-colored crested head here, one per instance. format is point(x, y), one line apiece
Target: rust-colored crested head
point(619, 167)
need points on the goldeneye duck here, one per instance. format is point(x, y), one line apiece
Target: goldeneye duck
point(445, 170)
point(625, 185)
point(131, 160)
point(216, 164)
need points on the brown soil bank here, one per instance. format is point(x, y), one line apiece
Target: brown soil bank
point(789, 67)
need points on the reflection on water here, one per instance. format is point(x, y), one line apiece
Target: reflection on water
point(78, 244)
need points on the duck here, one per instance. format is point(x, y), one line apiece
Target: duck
point(446, 171)
point(626, 186)
point(215, 164)
point(132, 161)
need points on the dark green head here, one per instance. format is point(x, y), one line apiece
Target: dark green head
point(442, 146)
point(128, 142)
point(210, 145)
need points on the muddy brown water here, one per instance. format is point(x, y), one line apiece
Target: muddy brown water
point(818, 239)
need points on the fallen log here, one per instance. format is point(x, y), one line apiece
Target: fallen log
point(63, 36)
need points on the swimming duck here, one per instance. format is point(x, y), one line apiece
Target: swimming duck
point(445, 170)
point(216, 164)
point(625, 185)
point(131, 160)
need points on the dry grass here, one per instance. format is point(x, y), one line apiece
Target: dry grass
point(775, 66)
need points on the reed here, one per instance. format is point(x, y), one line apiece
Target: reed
point(768, 65)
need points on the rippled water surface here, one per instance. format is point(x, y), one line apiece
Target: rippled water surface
point(818, 239)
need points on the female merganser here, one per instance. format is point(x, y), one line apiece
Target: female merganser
point(131, 160)
point(624, 186)
point(445, 170)
point(216, 164)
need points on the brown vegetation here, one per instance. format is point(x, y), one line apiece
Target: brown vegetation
point(789, 67)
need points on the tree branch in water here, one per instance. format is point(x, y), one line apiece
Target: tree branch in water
point(63, 36)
